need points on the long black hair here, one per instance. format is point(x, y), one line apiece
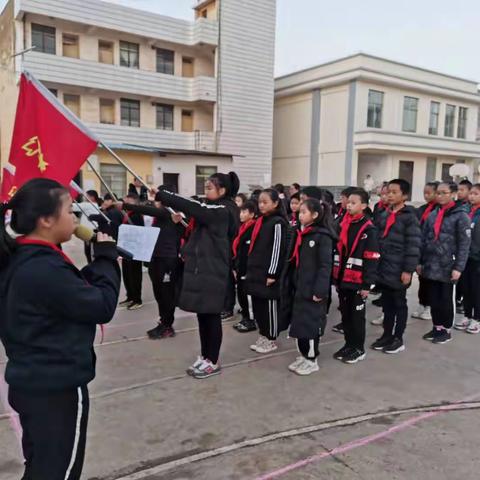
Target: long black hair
point(40, 197)
point(325, 216)
point(229, 181)
point(275, 197)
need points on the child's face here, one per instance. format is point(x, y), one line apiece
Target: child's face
point(474, 196)
point(463, 192)
point(295, 205)
point(306, 216)
point(355, 205)
point(212, 193)
point(239, 201)
point(343, 201)
point(60, 227)
point(265, 204)
point(246, 215)
point(384, 194)
point(107, 203)
point(429, 193)
point(444, 194)
point(395, 195)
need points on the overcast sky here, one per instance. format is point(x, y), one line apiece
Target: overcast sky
point(441, 35)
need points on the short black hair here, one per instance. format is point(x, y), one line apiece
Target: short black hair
point(405, 186)
point(451, 185)
point(467, 183)
point(434, 185)
point(251, 206)
point(362, 193)
point(312, 192)
point(296, 185)
point(295, 196)
point(108, 196)
point(347, 191)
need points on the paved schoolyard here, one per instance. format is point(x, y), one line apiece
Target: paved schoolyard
point(407, 416)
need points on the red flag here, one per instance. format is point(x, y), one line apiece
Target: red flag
point(8, 184)
point(48, 140)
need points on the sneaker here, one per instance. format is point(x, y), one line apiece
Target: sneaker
point(195, 365)
point(377, 321)
point(474, 327)
point(426, 315)
point(246, 326)
point(354, 356)
point(298, 361)
point(462, 323)
point(429, 336)
point(338, 328)
point(124, 303)
point(135, 306)
point(381, 342)
point(260, 341)
point(395, 346)
point(226, 316)
point(164, 332)
point(338, 355)
point(307, 367)
point(441, 337)
point(206, 369)
point(418, 313)
point(155, 332)
point(267, 347)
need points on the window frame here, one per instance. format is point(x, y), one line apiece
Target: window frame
point(129, 48)
point(374, 117)
point(406, 111)
point(169, 66)
point(76, 97)
point(447, 124)
point(163, 124)
point(433, 130)
point(45, 31)
point(129, 102)
point(203, 176)
point(77, 44)
point(462, 123)
point(112, 102)
point(110, 44)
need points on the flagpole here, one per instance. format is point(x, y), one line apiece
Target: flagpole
point(102, 180)
point(79, 189)
point(83, 211)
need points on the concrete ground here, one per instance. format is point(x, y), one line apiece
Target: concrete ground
point(407, 416)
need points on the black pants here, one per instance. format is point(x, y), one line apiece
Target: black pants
point(132, 279)
point(54, 432)
point(460, 291)
point(395, 310)
point(230, 297)
point(243, 300)
point(265, 313)
point(352, 307)
point(162, 271)
point(424, 291)
point(211, 334)
point(471, 290)
point(309, 348)
point(442, 302)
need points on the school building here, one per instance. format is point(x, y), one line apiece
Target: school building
point(336, 123)
point(177, 100)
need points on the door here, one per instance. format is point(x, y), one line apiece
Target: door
point(405, 172)
point(187, 121)
point(187, 67)
point(170, 180)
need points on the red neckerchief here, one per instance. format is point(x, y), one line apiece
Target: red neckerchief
point(298, 243)
point(256, 231)
point(243, 228)
point(431, 205)
point(381, 205)
point(344, 227)
point(126, 217)
point(439, 220)
point(340, 212)
point(30, 241)
point(473, 211)
point(392, 218)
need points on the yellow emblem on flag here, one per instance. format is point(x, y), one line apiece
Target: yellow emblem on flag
point(33, 148)
point(12, 192)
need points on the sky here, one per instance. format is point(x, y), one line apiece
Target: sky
point(441, 35)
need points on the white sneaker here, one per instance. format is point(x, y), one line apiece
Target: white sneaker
point(462, 323)
point(474, 327)
point(195, 365)
point(293, 366)
point(268, 346)
point(418, 313)
point(307, 367)
point(377, 321)
point(426, 315)
point(260, 341)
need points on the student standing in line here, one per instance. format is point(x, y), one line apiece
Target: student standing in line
point(295, 208)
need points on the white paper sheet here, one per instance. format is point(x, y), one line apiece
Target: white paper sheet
point(140, 241)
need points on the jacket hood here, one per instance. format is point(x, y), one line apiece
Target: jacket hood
point(323, 231)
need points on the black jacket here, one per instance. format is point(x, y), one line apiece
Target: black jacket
point(451, 250)
point(49, 311)
point(421, 211)
point(267, 259)
point(142, 195)
point(475, 244)
point(312, 277)
point(400, 249)
point(116, 219)
point(378, 211)
point(208, 252)
point(241, 260)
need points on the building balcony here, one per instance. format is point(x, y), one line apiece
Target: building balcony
point(372, 139)
point(154, 138)
point(100, 14)
point(113, 78)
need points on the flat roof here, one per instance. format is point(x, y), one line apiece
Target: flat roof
point(168, 151)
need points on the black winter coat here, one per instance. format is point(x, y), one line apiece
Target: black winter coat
point(49, 311)
point(207, 254)
point(475, 244)
point(241, 260)
point(268, 258)
point(451, 250)
point(116, 219)
point(312, 277)
point(400, 249)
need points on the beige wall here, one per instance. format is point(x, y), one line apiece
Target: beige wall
point(211, 9)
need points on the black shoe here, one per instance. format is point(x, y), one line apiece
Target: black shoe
point(377, 302)
point(226, 316)
point(338, 328)
point(246, 326)
point(381, 342)
point(125, 303)
point(396, 346)
point(344, 351)
point(430, 335)
point(354, 356)
point(441, 336)
point(155, 332)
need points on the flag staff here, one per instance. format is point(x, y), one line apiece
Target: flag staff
point(75, 186)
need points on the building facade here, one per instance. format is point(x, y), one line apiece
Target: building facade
point(339, 122)
point(177, 100)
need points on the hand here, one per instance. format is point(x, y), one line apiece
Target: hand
point(419, 270)
point(456, 275)
point(317, 299)
point(270, 282)
point(177, 217)
point(103, 237)
point(364, 294)
point(406, 278)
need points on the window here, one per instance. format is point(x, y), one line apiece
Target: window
point(107, 111)
point(70, 46)
point(187, 121)
point(202, 175)
point(164, 116)
point(72, 102)
point(446, 177)
point(450, 120)
point(129, 53)
point(130, 112)
point(410, 109)
point(43, 39)
point(165, 61)
point(187, 67)
point(116, 177)
point(375, 108)
point(462, 122)
point(105, 52)
point(53, 91)
point(434, 116)
point(204, 13)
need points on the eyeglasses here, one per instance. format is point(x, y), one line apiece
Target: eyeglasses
point(443, 192)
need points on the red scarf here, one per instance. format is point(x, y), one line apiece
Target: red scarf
point(344, 227)
point(431, 205)
point(340, 211)
point(256, 231)
point(298, 243)
point(392, 218)
point(473, 211)
point(30, 241)
point(243, 228)
point(439, 220)
point(382, 205)
point(126, 217)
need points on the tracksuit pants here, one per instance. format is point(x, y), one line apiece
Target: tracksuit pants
point(132, 279)
point(162, 271)
point(309, 348)
point(211, 334)
point(265, 313)
point(352, 308)
point(244, 300)
point(395, 310)
point(443, 304)
point(471, 290)
point(54, 432)
point(423, 291)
